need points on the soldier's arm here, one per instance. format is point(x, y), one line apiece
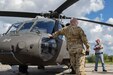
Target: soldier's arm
point(84, 39)
point(57, 33)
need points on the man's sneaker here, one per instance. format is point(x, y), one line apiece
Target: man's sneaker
point(104, 70)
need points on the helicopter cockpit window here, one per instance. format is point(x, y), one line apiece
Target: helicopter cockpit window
point(46, 26)
point(60, 27)
point(14, 27)
point(26, 26)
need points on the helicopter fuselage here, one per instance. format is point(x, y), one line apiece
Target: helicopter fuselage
point(32, 47)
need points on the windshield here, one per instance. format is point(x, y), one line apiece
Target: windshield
point(46, 26)
point(26, 26)
point(14, 27)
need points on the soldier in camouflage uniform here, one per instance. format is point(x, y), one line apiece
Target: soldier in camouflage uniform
point(75, 39)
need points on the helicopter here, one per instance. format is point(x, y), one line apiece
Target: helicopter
point(27, 43)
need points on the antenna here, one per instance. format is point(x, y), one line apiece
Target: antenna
point(101, 18)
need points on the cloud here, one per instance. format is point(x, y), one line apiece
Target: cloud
point(83, 7)
point(97, 29)
point(108, 39)
point(92, 30)
point(110, 20)
point(96, 5)
point(30, 5)
point(4, 27)
point(16, 4)
point(111, 48)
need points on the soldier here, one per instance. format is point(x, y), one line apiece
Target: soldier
point(72, 72)
point(99, 55)
point(75, 38)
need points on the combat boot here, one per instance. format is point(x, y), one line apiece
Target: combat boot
point(72, 72)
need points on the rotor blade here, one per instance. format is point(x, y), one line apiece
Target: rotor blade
point(19, 14)
point(65, 5)
point(102, 23)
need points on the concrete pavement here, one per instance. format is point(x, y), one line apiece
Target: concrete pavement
point(54, 70)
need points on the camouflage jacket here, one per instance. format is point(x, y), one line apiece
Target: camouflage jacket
point(75, 36)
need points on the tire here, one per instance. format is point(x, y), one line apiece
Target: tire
point(23, 68)
point(41, 67)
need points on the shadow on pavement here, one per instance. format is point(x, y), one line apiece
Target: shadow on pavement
point(34, 71)
point(105, 73)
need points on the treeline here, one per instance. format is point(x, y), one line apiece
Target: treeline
point(91, 58)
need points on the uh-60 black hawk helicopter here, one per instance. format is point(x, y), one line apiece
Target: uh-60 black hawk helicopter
point(27, 43)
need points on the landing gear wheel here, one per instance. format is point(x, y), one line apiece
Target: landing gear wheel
point(23, 69)
point(41, 67)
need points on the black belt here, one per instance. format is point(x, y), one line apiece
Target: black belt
point(99, 53)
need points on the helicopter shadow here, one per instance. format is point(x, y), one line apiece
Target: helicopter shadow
point(33, 70)
point(51, 70)
point(106, 73)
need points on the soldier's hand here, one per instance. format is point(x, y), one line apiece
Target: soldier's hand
point(87, 52)
point(50, 36)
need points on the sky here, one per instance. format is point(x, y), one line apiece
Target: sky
point(98, 10)
point(105, 13)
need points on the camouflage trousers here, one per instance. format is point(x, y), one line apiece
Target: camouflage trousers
point(77, 60)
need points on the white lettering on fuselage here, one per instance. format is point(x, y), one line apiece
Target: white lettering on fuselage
point(6, 40)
